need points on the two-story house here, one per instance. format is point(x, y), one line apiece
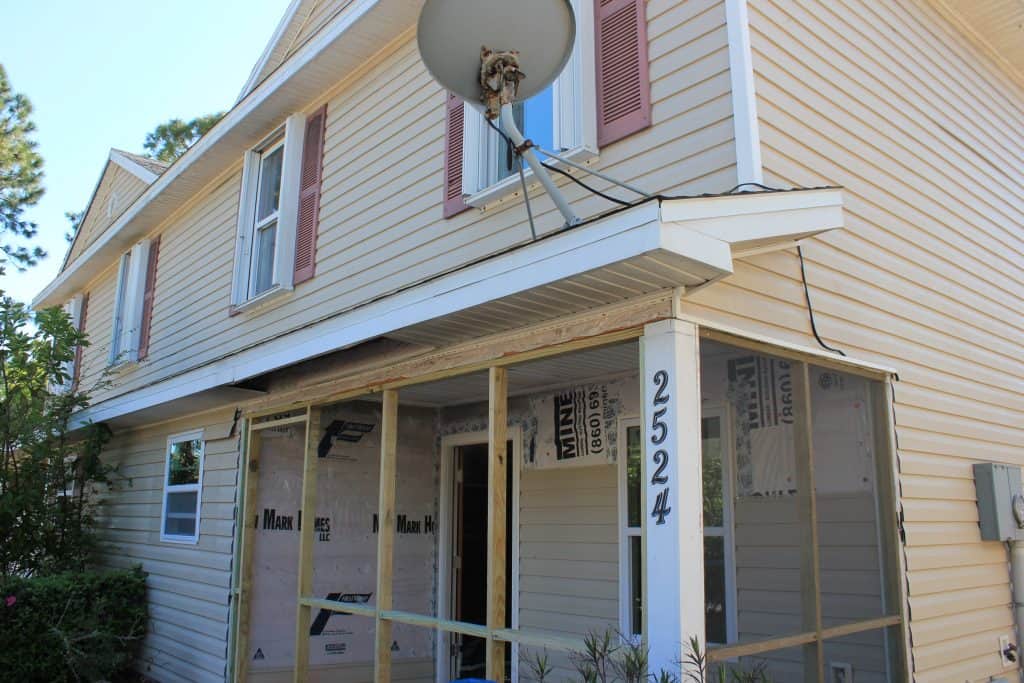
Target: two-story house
point(664, 422)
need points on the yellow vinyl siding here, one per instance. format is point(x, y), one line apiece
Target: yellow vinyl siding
point(381, 227)
point(569, 561)
point(889, 102)
point(187, 585)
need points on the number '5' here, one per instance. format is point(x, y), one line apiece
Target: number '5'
point(658, 426)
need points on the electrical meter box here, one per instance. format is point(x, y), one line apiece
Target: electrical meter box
point(1000, 502)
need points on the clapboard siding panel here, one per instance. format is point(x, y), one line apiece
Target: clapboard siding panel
point(381, 226)
point(581, 503)
point(188, 585)
point(887, 100)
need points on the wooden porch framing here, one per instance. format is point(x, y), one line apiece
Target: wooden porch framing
point(496, 635)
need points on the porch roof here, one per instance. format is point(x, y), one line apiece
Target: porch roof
point(661, 244)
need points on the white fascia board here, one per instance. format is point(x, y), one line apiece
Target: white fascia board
point(229, 132)
point(624, 235)
point(283, 24)
point(759, 219)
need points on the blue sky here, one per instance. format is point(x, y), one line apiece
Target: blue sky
point(103, 74)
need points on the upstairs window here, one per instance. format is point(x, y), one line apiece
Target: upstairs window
point(264, 232)
point(602, 96)
point(561, 119)
point(279, 210)
point(135, 280)
point(183, 488)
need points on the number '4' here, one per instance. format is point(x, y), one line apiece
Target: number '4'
point(661, 508)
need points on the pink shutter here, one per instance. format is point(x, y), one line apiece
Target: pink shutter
point(147, 297)
point(623, 75)
point(309, 195)
point(77, 374)
point(453, 135)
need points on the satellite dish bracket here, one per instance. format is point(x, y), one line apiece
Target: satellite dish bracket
point(499, 84)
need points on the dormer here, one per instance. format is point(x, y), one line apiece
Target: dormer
point(125, 176)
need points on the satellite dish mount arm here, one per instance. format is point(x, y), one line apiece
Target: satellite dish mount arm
point(499, 83)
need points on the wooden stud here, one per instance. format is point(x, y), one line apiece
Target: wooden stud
point(307, 539)
point(246, 519)
point(497, 471)
point(810, 569)
point(386, 533)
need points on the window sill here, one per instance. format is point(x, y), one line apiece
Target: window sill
point(273, 295)
point(179, 540)
point(511, 186)
point(123, 366)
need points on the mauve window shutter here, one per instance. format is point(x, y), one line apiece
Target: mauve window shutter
point(453, 138)
point(623, 74)
point(309, 195)
point(77, 374)
point(147, 297)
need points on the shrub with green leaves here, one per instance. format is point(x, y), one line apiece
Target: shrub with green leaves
point(82, 626)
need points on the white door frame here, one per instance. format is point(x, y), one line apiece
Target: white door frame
point(444, 546)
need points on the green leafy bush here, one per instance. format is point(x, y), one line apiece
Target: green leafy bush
point(84, 626)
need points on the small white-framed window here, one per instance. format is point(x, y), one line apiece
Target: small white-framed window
point(128, 300)
point(719, 546)
point(183, 488)
point(562, 119)
point(268, 213)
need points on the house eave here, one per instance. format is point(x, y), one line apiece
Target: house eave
point(610, 259)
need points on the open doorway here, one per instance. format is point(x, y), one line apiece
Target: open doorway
point(463, 579)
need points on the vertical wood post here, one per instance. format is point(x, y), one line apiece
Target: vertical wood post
point(246, 518)
point(497, 472)
point(673, 546)
point(386, 533)
point(807, 512)
point(307, 540)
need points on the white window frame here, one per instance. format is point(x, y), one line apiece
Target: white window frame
point(627, 532)
point(290, 136)
point(575, 125)
point(73, 308)
point(182, 488)
point(727, 531)
point(128, 304)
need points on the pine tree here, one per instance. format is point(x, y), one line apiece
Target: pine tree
point(171, 139)
point(21, 175)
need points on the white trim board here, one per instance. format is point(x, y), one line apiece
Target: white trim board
point(746, 133)
point(635, 233)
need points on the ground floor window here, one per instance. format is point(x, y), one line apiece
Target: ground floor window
point(183, 476)
point(719, 567)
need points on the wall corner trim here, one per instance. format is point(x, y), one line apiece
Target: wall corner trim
point(744, 98)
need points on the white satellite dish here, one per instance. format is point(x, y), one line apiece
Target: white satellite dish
point(451, 33)
point(531, 41)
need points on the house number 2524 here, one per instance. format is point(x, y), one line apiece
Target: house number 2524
point(659, 436)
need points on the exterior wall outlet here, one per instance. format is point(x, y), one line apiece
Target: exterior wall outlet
point(1007, 652)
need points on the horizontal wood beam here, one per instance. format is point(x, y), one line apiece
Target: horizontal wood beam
point(727, 652)
point(586, 330)
point(529, 637)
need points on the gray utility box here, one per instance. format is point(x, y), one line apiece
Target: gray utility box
point(1000, 502)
